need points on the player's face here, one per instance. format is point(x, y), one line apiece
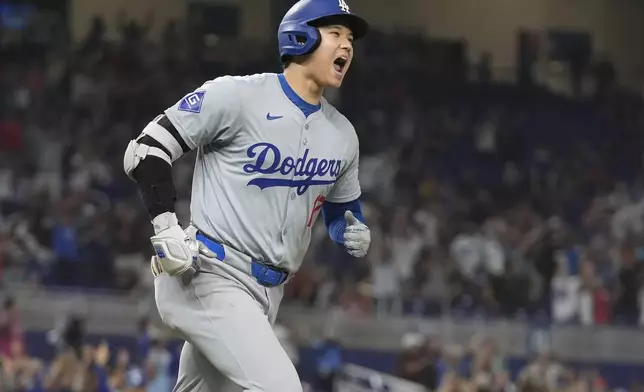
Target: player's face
point(331, 60)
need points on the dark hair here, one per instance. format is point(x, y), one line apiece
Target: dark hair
point(74, 334)
point(286, 61)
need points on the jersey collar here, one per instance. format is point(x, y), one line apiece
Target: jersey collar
point(304, 106)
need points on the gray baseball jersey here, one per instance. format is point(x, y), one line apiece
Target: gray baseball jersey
point(263, 168)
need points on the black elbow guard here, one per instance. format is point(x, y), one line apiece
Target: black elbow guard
point(154, 178)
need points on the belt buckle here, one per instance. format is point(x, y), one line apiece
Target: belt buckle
point(267, 275)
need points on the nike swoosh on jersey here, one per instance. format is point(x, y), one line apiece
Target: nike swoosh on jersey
point(270, 118)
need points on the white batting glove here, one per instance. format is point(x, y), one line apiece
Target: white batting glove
point(176, 251)
point(357, 236)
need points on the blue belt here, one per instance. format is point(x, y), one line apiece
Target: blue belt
point(266, 275)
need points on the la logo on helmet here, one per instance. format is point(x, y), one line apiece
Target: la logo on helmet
point(344, 6)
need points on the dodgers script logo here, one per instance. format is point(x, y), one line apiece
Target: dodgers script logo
point(306, 171)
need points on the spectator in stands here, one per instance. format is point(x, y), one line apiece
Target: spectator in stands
point(144, 339)
point(387, 289)
point(630, 282)
point(11, 333)
point(488, 372)
point(66, 246)
point(430, 286)
point(157, 367)
point(69, 370)
point(355, 298)
point(453, 361)
point(543, 372)
point(450, 383)
point(124, 375)
point(95, 374)
point(329, 361)
point(19, 371)
point(418, 361)
point(533, 386)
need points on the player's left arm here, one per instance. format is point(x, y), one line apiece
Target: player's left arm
point(342, 212)
point(208, 114)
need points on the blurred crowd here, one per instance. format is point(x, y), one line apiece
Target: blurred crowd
point(483, 198)
point(69, 359)
point(481, 366)
point(81, 365)
point(496, 201)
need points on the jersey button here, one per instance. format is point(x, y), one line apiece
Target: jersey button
point(306, 126)
point(305, 141)
point(285, 232)
point(292, 196)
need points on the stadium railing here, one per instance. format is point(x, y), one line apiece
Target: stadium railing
point(355, 378)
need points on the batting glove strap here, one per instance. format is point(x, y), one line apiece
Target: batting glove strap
point(164, 221)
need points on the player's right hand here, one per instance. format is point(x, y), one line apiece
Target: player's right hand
point(176, 252)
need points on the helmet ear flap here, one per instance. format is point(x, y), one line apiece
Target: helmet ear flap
point(312, 39)
point(316, 41)
point(298, 40)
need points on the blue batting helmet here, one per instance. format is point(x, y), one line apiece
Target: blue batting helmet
point(298, 34)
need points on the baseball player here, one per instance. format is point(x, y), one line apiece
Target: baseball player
point(272, 154)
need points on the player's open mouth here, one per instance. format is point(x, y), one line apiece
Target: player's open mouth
point(339, 64)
